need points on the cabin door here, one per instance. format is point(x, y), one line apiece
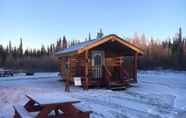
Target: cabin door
point(98, 60)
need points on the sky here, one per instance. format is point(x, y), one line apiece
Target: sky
point(40, 22)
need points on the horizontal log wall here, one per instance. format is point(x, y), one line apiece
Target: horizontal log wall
point(77, 66)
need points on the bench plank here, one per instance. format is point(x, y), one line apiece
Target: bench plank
point(21, 112)
point(44, 100)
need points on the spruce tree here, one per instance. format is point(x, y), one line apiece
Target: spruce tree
point(9, 47)
point(64, 42)
point(20, 50)
point(99, 34)
point(89, 36)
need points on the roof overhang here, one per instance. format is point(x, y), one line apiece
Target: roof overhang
point(72, 53)
point(99, 42)
point(112, 38)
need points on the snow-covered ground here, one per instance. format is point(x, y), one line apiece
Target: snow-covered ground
point(158, 94)
point(20, 76)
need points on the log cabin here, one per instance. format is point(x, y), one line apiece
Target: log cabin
point(101, 62)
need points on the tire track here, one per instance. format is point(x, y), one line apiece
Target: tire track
point(120, 109)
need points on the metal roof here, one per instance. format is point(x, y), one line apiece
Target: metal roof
point(76, 47)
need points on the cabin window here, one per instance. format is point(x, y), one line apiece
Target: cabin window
point(97, 59)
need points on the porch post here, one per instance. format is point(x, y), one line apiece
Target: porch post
point(135, 58)
point(120, 65)
point(86, 69)
point(68, 75)
point(61, 62)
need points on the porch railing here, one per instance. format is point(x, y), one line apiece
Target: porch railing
point(107, 75)
point(97, 72)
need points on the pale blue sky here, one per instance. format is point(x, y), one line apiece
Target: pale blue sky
point(43, 21)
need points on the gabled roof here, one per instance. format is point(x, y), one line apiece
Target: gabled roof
point(87, 45)
point(75, 47)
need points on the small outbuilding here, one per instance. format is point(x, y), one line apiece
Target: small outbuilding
point(109, 62)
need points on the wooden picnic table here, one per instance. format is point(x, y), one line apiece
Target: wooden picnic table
point(54, 107)
point(47, 100)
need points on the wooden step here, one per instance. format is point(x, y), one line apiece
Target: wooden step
point(116, 84)
point(118, 88)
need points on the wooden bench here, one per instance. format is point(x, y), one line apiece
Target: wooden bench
point(81, 109)
point(60, 107)
point(21, 112)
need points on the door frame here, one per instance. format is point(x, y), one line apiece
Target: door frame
point(97, 72)
point(93, 53)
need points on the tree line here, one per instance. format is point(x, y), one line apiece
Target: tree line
point(41, 59)
point(158, 54)
point(162, 54)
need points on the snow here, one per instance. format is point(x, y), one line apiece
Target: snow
point(21, 76)
point(76, 47)
point(53, 100)
point(23, 111)
point(158, 94)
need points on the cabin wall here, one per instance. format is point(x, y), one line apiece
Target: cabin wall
point(61, 65)
point(77, 63)
point(76, 66)
point(61, 62)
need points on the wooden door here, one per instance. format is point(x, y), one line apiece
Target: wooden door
point(98, 60)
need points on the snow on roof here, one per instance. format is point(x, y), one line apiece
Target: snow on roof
point(76, 47)
point(87, 43)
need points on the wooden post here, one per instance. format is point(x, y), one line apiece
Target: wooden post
point(120, 66)
point(61, 62)
point(135, 59)
point(68, 76)
point(86, 69)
